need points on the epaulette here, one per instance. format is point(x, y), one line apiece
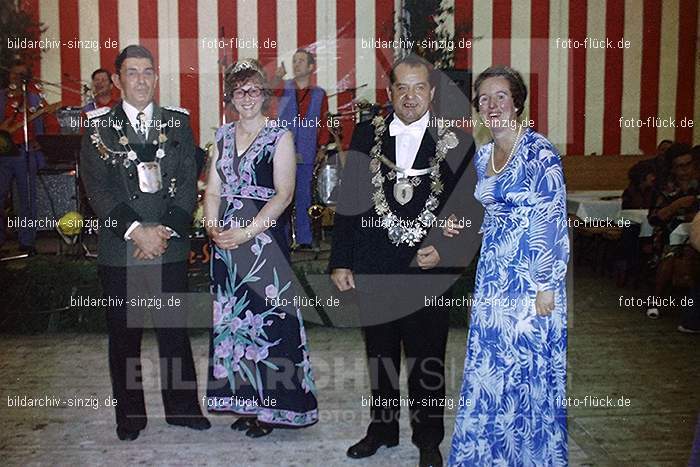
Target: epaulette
point(98, 112)
point(176, 109)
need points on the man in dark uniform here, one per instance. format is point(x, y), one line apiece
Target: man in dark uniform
point(402, 174)
point(138, 168)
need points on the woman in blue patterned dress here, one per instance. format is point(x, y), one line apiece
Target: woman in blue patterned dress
point(260, 364)
point(512, 404)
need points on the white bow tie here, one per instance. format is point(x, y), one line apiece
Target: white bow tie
point(397, 127)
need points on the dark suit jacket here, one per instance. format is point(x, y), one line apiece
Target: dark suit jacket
point(387, 274)
point(113, 189)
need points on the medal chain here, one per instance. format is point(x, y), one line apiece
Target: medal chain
point(399, 230)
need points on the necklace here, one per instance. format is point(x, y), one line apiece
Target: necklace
point(512, 150)
point(400, 230)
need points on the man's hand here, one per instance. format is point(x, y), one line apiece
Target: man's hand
point(544, 302)
point(138, 254)
point(428, 257)
point(343, 279)
point(452, 227)
point(150, 242)
point(228, 239)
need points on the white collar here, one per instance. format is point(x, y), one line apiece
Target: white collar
point(131, 112)
point(397, 126)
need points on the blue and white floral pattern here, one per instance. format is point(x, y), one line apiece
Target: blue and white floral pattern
point(511, 409)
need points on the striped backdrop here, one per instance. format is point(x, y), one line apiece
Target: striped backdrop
point(577, 96)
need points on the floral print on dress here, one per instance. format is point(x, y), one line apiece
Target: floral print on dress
point(255, 338)
point(510, 407)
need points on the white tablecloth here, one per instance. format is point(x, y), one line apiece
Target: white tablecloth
point(588, 205)
point(680, 234)
point(637, 216)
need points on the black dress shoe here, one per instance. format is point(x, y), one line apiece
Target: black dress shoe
point(258, 430)
point(195, 423)
point(243, 423)
point(367, 446)
point(430, 457)
point(127, 435)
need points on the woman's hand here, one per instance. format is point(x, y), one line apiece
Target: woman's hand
point(544, 302)
point(452, 227)
point(228, 239)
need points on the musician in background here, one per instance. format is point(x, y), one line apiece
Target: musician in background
point(303, 109)
point(16, 164)
point(102, 91)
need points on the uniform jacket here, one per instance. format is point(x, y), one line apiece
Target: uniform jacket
point(111, 181)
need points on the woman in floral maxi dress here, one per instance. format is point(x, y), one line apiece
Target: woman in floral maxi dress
point(260, 364)
point(512, 404)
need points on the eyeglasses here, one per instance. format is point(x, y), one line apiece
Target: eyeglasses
point(240, 93)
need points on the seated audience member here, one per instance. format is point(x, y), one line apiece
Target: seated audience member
point(638, 195)
point(674, 204)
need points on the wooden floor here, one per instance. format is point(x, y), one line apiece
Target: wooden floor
point(613, 352)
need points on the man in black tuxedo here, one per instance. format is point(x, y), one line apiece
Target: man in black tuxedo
point(402, 174)
point(138, 168)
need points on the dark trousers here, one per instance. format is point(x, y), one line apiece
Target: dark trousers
point(15, 168)
point(424, 337)
point(135, 287)
point(302, 202)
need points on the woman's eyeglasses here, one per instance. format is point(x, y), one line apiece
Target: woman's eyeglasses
point(252, 92)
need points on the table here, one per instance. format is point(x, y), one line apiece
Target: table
point(680, 234)
point(637, 216)
point(590, 204)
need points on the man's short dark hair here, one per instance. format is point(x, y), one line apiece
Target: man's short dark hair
point(310, 57)
point(413, 61)
point(98, 71)
point(132, 51)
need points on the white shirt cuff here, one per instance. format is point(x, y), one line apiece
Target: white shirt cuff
point(172, 232)
point(127, 234)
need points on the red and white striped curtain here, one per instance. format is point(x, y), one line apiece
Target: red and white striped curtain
point(577, 95)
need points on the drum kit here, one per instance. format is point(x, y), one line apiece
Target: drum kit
point(60, 178)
